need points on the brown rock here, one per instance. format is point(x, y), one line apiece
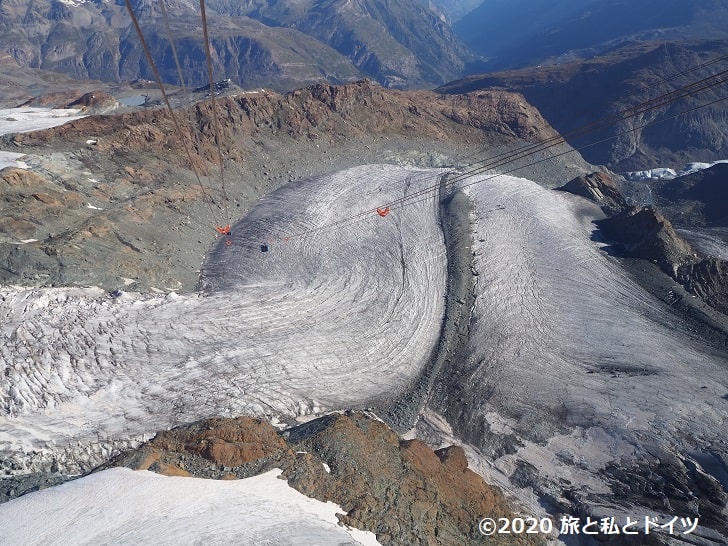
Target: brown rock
point(225, 442)
point(401, 490)
point(232, 453)
point(600, 188)
point(453, 457)
point(18, 228)
point(20, 178)
point(93, 99)
point(169, 470)
point(649, 235)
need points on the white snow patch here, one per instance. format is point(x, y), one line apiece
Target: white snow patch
point(23, 120)
point(10, 159)
point(664, 173)
point(90, 206)
point(122, 506)
point(648, 174)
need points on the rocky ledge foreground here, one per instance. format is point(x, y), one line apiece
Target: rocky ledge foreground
point(401, 490)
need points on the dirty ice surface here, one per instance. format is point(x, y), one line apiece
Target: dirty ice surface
point(570, 365)
point(123, 506)
point(570, 368)
point(331, 316)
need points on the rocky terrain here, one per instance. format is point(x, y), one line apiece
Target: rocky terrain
point(644, 233)
point(400, 490)
point(121, 187)
point(602, 86)
point(113, 201)
point(699, 199)
point(513, 400)
point(696, 204)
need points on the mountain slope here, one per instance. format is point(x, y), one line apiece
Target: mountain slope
point(530, 32)
point(278, 332)
point(261, 43)
point(576, 94)
point(574, 382)
point(571, 402)
point(141, 208)
point(368, 478)
point(698, 199)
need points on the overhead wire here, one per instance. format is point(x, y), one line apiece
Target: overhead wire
point(543, 145)
point(428, 193)
point(473, 169)
point(598, 125)
point(661, 80)
point(216, 120)
point(664, 80)
point(150, 59)
point(173, 46)
point(632, 112)
point(466, 176)
point(187, 101)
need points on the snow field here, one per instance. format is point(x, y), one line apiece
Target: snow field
point(25, 119)
point(123, 506)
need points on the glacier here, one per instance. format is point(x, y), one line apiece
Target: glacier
point(570, 371)
point(330, 317)
point(570, 366)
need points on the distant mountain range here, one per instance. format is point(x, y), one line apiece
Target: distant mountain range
point(285, 45)
point(572, 95)
point(584, 59)
point(258, 43)
point(518, 33)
